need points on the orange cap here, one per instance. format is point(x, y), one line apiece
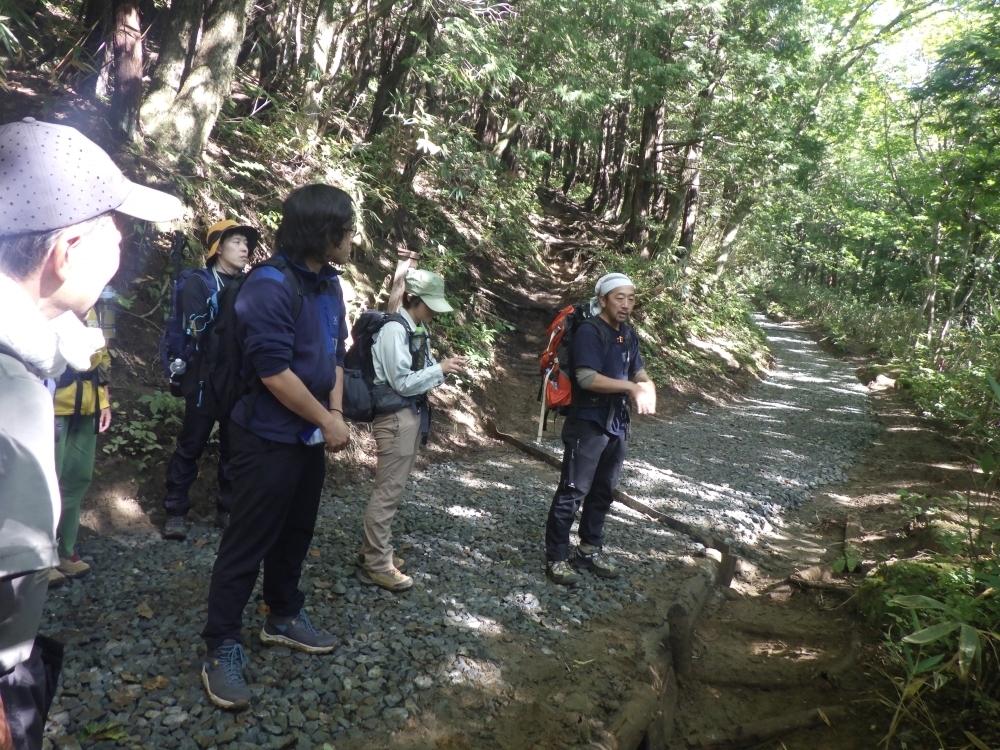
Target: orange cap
point(221, 228)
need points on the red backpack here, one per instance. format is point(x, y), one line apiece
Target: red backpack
point(556, 362)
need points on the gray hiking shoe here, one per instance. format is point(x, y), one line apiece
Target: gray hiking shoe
point(176, 527)
point(224, 677)
point(594, 560)
point(560, 572)
point(297, 632)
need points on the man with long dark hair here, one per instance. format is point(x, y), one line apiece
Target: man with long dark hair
point(278, 431)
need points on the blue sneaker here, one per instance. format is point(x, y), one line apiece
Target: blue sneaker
point(223, 675)
point(297, 632)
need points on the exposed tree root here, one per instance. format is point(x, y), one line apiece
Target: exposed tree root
point(756, 732)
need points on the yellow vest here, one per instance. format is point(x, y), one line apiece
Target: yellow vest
point(66, 397)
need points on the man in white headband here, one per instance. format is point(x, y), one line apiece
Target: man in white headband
point(607, 372)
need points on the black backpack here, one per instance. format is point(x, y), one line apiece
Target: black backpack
point(176, 341)
point(359, 367)
point(223, 381)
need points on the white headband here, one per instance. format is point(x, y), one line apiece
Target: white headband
point(605, 284)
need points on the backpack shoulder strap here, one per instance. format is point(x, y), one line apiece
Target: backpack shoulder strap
point(278, 262)
point(209, 278)
point(397, 318)
point(602, 331)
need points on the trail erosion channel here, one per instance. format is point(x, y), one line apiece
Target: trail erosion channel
point(485, 652)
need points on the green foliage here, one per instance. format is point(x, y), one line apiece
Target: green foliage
point(475, 340)
point(140, 436)
point(689, 325)
point(942, 616)
point(102, 731)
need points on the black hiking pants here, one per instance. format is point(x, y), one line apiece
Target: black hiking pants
point(27, 691)
point(183, 467)
point(592, 463)
point(276, 490)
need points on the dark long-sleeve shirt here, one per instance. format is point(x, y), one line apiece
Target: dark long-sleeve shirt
point(622, 361)
point(312, 345)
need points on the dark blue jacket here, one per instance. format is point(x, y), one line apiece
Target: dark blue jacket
point(621, 362)
point(312, 345)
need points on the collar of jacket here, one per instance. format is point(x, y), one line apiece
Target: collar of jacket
point(47, 347)
point(325, 272)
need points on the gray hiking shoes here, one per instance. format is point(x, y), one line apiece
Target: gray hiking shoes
point(297, 632)
point(586, 558)
point(560, 572)
point(224, 677)
point(176, 528)
point(594, 560)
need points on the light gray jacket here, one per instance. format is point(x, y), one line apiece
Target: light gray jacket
point(31, 348)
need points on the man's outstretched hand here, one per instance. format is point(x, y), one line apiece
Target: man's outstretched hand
point(644, 397)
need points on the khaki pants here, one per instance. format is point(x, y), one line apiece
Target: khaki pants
point(397, 436)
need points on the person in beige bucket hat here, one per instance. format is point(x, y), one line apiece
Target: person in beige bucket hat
point(58, 248)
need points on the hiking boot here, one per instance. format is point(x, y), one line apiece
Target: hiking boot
point(222, 519)
point(224, 677)
point(560, 572)
point(73, 567)
point(176, 527)
point(392, 580)
point(397, 562)
point(298, 633)
point(56, 578)
point(594, 560)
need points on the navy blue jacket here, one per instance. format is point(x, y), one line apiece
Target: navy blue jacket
point(621, 362)
point(312, 345)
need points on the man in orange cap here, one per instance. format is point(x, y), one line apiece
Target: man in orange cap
point(229, 246)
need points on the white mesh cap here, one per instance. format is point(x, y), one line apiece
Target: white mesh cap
point(52, 176)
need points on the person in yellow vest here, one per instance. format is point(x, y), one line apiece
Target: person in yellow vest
point(83, 409)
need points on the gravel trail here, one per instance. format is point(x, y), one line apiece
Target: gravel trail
point(471, 533)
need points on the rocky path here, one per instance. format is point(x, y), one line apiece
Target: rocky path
point(484, 652)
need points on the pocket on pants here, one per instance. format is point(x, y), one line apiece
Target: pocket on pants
point(405, 443)
point(385, 429)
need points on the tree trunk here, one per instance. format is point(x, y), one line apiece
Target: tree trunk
point(395, 75)
point(128, 69)
point(188, 121)
point(739, 209)
point(487, 127)
point(643, 178)
point(599, 194)
point(326, 55)
point(512, 132)
point(574, 162)
point(616, 167)
point(176, 53)
point(692, 198)
point(556, 153)
point(96, 16)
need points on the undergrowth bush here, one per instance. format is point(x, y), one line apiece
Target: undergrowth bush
point(139, 435)
point(687, 326)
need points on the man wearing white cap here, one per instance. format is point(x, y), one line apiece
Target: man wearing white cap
point(607, 372)
point(58, 248)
